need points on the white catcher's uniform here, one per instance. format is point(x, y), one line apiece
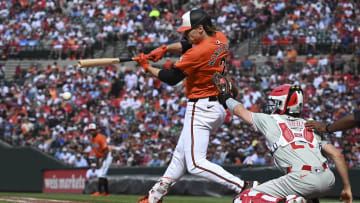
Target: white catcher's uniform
point(297, 152)
point(201, 117)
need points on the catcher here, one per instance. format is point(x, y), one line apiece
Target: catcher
point(297, 150)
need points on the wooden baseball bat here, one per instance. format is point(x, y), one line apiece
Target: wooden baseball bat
point(84, 63)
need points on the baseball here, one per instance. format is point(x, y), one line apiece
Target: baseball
point(66, 96)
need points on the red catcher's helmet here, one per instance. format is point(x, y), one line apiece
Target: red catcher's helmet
point(287, 99)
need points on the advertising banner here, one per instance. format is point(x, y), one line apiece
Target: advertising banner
point(64, 181)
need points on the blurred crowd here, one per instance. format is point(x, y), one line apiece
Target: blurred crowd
point(75, 29)
point(314, 27)
point(142, 117)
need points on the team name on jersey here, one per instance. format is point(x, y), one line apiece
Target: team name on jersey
point(293, 124)
point(218, 51)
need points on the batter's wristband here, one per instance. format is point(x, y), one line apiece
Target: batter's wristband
point(185, 45)
point(231, 103)
point(145, 67)
point(327, 128)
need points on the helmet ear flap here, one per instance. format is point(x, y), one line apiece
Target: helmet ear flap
point(293, 100)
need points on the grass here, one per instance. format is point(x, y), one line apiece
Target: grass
point(117, 198)
point(129, 198)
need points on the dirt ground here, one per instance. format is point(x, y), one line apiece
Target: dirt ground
point(33, 200)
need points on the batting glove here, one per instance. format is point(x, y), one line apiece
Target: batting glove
point(157, 54)
point(225, 87)
point(141, 59)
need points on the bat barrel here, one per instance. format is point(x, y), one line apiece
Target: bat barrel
point(101, 62)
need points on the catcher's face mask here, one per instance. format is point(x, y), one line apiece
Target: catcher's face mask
point(271, 106)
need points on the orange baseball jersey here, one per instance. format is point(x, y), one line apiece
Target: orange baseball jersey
point(99, 145)
point(200, 63)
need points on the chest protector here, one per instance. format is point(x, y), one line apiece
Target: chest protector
point(297, 133)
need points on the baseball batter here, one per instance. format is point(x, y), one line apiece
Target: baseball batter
point(203, 112)
point(296, 149)
point(103, 155)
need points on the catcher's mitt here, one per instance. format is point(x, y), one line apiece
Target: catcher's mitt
point(225, 87)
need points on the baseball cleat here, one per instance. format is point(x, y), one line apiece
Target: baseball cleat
point(250, 184)
point(96, 194)
point(105, 194)
point(145, 199)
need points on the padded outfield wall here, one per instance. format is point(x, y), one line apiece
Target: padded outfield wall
point(22, 170)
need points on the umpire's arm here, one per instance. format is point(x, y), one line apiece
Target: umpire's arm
point(330, 151)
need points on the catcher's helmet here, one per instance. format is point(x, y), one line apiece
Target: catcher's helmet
point(286, 99)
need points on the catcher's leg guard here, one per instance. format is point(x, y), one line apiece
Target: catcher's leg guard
point(159, 189)
point(249, 196)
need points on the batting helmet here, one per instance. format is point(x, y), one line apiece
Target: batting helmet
point(286, 99)
point(194, 18)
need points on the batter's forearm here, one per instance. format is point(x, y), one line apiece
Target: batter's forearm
point(175, 48)
point(153, 71)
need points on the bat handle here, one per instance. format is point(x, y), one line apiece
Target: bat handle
point(121, 59)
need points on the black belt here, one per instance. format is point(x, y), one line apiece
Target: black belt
point(211, 98)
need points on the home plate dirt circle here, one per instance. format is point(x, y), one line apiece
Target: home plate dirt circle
point(34, 200)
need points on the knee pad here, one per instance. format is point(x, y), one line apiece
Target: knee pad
point(159, 189)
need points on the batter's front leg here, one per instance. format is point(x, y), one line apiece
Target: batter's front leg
point(173, 173)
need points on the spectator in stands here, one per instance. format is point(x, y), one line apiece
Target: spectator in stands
point(91, 173)
point(131, 46)
point(88, 86)
point(266, 44)
point(42, 145)
point(310, 43)
point(80, 161)
point(338, 63)
point(155, 161)
point(279, 66)
point(251, 158)
point(291, 60)
point(65, 155)
point(247, 65)
point(217, 159)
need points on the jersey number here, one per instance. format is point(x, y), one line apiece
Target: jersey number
point(289, 136)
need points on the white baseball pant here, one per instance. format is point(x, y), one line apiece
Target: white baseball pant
point(201, 117)
point(105, 166)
